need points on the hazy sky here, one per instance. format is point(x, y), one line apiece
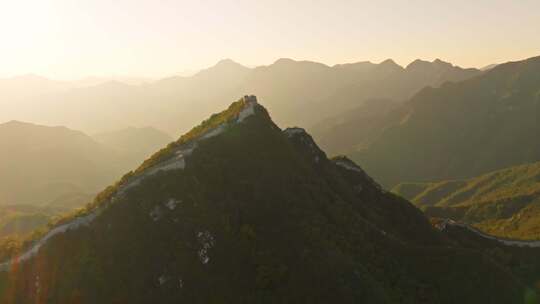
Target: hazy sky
point(76, 38)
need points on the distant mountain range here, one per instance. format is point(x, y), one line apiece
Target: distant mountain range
point(238, 210)
point(176, 103)
point(14, 89)
point(457, 131)
point(387, 81)
point(57, 166)
point(134, 144)
point(504, 202)
point(356, 129)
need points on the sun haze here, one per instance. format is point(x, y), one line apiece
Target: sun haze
point(68, 39)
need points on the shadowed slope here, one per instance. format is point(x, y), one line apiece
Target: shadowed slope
point(252, 214)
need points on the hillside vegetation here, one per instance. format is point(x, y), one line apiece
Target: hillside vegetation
point(504, 202)
point(256, 214)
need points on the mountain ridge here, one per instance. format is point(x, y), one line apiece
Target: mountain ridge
point(287, 86)
point(438, 142)
point(263, 204)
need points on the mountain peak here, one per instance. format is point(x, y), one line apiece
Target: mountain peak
point(442, 63)
point(439, 61)
point(389, 62)
point(389, 65)
point(223, 67)
point(418, 63)
point(288, 62)
point(424, 64)
point(284, 61)
point(227, 62)
point(175, 154)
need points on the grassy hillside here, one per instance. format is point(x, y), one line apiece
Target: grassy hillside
point(504, 202)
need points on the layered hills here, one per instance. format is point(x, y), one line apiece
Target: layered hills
point(134, 144)
point(356, 129)
point(287, 86)
point(57, 166)
point(504, 202)
point(239, 210)
point(460, 130)
point(39, 164)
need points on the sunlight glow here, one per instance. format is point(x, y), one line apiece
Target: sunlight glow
point(77, 38)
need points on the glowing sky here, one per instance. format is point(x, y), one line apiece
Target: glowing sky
point(76, 38)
